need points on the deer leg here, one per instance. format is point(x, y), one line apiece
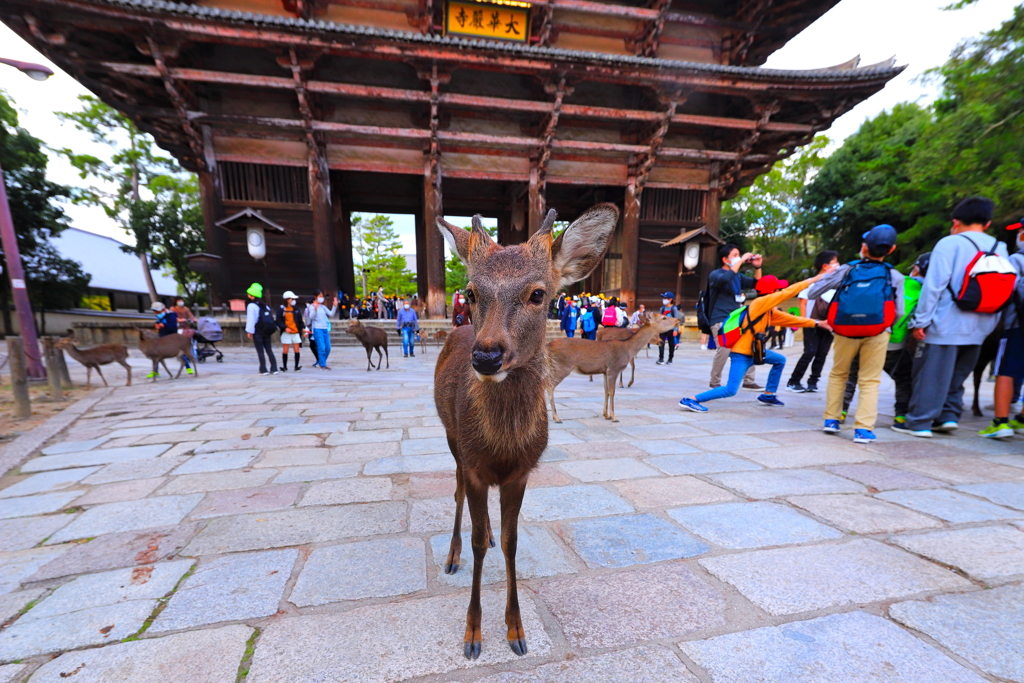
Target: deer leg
point(451, 565)
point(511, 501)
point(163, 362)
point(387, 359)
point(632, 371)
point(604, 413)
point(181, 367)
point(369, 363)
point(88, 376)
point(476, 493)
point(129, 369)
point(380, 357)
point(610, 391)
point(551, 400)
point(100, 373)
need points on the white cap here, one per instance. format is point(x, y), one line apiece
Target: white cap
point(157, 306)
point(289, 295)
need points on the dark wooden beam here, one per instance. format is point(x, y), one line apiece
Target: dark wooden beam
point(211, 195)
point(180, 107)
point(647, 46)
point(646, 164)
point(630, 244)
point(433, 205)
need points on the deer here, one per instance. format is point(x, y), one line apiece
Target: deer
point(489, 383)
point(373, 339)
point(622, 334)
point(159, 349)
point(93, 358)
point(608, 358)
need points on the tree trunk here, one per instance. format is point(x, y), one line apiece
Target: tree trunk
point(153, 297)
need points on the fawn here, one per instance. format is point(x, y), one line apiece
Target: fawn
point(622, 334)
point(96, 356)
point(159, 349)
point(489, 382)
point(608, 358)
point(372, 338)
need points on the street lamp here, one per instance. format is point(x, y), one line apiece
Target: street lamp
point(26, 322)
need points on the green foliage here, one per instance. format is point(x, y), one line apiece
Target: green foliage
point(378, 247)
point(455, 275)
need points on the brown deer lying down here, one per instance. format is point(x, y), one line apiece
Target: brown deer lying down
point(159, 349)
point(372, 338)
point(96, 356)
point(622, 334)
point(608, 358)
point(489, 382)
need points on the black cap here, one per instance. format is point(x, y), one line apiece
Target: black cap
point(922, 262)
point(880, 235)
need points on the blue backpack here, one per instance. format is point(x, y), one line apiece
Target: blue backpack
point(588, 321)
point(865, 302)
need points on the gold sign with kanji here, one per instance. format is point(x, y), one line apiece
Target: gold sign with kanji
point(480, 20)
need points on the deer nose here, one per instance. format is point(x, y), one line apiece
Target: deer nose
point(487, 362)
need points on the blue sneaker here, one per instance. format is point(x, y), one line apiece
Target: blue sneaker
point(691, 404)
point(769, 400)
point(863, 436)
point(831, 427)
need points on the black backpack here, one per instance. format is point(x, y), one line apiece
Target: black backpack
point(265, 323)
point(705, 304)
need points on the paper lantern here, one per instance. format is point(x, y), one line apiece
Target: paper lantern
point(691, 257)
point(256, 239)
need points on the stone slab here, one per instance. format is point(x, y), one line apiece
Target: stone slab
point(207, 656)
point(951, 506)
point(803, 578)
point(438, 514)
point(726, 442)
point(290, 475)
point(852, 648)
point(292, 457)
point(216, 481)
point(402, 464)
point(136, 514)
point(751, 525)
point(12, 603)
point(965, 470)
point(628, 540)
point(135, 469)
point(1010, 494)
point(345, 491)
point(93, 626)
point(214, 462)
point(238, 501)
point(242, 586)
point(778, 483)
point(538, 555)
point(664, 447)
point(985, 553)
point(387, 643)
point(425, 446)
point(75, 446)
point(671, 492)
point(361, 452)
point(984, 627)
point(354, 571)
point(662, 431)
point(314, 428)
point(608, 469)
point(610, 610)
point(12, 673)
point(806, 456)
point(883, 478)
point(595, 450)
point(647, 664)
point(17, 566)
point(364, 436)
point(94, 457)
point(47, 482)
point(111, 551)
point(566, 502)
point(154, 429)
point(27, 532)
point(864, 514)
point(762, 425)
point(260, 443)
point(701, 463)
point(294, 527)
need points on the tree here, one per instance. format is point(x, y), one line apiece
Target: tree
point(175, 228)
point(133, 164)
point(380, 263)
point(52, 281)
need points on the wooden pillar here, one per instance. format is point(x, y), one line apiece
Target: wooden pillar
point(505, 236)
point(421, 258)
point(630, 244)
point(709, 253)
point(535, 200)
point(323, 231)
point(342, 220)
point(213, 210)
point(434, 241)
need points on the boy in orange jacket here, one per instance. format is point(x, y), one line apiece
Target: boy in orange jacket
point(763, 314)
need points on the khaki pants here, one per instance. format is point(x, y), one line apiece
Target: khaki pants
point(721, 356)
point(872, 359)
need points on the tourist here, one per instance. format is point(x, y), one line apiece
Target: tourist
point(668, 308)
point(726, 286)
point(867, 302)
point(462, 314)
point(305, 328)
point(623, 319)
point(318, 324)
point(182, 311)
point(570, 317)
point(260, 326)
point(289, 322)
point(408, 324)
point(588, 319)
point(382, 310)
point(1010, 358)
point(760, 314)
point(817, 341)
point(637, 317)
point(949, 337)
point(166, 324)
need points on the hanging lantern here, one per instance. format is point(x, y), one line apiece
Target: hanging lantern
point(691, 257)
point(256, 239)
point(255, 225)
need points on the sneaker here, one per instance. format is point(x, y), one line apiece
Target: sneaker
point(796, 387)
point(189, 371)
point(264, 373)
point(812, 388)
point(900, 420)
point(1016, 425)
point(863, 436)
point(152, 375)
point(405, 355)
point(691, 404)
point(284, 368)
point(659, 362)
point(752, 386)
point(668, 362)
point(275, 372)
point(769, 400)
point(842, 418)
point(297, 368)
point(412, 355)
point(714, 386)
point(994, 431)
point(945, 427)
point(904, 429)
point(831, 427)
point(325, 367)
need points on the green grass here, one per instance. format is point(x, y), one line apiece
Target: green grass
point(250, 649)
point(160, 605)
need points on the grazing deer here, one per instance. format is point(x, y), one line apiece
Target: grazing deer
point(608, 358)
point(159, 349)
point(622, 334)
point(489, 383)
point(96, 356)
point(372, 338)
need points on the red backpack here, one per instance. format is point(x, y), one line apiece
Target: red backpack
point(988, 282)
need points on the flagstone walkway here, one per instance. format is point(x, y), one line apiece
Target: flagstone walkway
point(292, 529)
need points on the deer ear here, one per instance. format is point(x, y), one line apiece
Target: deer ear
point(480, 243)
point(540, 242)
point(579, 249)
point(457, 238)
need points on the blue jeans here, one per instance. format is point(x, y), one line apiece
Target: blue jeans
point(323, 346)
point(408, 340)
point(570, 333)
point(738, 368)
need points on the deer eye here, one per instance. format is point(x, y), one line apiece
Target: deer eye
point(470, 296)
point(538, 296)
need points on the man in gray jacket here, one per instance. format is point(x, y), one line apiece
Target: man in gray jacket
point(949, 338)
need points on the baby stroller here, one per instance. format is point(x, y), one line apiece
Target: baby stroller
point(208, 333)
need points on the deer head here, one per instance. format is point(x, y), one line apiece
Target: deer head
point(510, 288)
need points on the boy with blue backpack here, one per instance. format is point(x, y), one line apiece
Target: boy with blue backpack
point(867, 302)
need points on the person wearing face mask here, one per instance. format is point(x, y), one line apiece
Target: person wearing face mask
point(461, 313)
point(570, 316)
point(260, 326)
point(318, 322)
point(668, 308)
point(726, 286)
point(817, 340)
point(185, 317)
point(408, 324)
point(289, 322)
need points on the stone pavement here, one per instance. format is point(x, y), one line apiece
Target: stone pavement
point(293, 529)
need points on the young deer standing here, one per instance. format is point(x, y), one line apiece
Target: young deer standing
point(489, 382)
point(622, 334)
point(96, 356)
point(372, 338)
point(159, 349)
point(608, 358)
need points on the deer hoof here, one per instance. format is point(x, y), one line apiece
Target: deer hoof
point(518, 646)
point(451, 567)
point(472, 649)
point(491, 542)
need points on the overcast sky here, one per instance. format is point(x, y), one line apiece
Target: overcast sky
point(917, 32)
